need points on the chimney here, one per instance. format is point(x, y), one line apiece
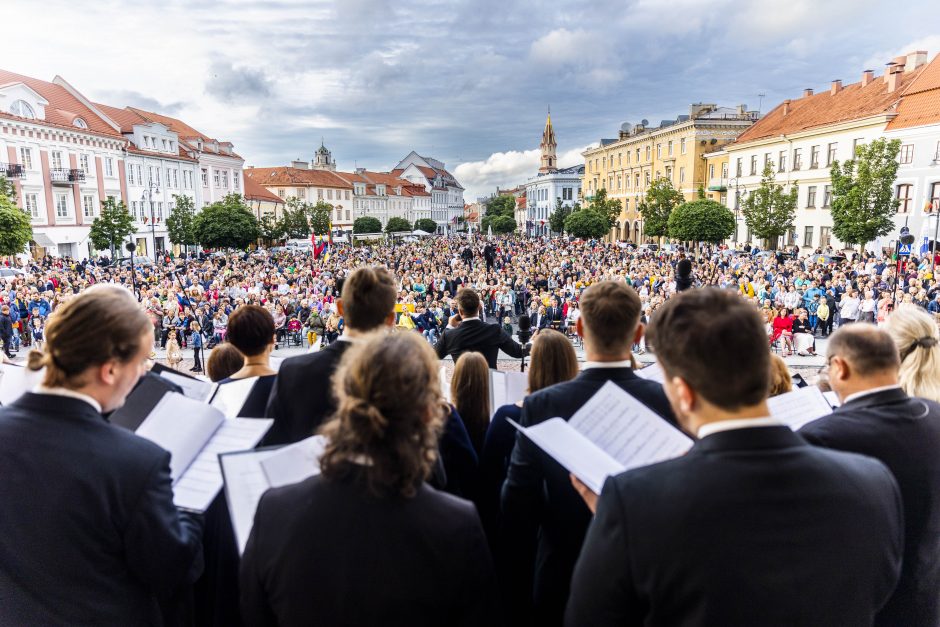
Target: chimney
point(894, 73)
point(298, 164)
point(867, 77)
point(807, 92)
point(836, 87)
point(914, 60)
point(786, 106)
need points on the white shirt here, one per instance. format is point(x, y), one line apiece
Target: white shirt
point(41, 389)
point(606, 364)
point(883, 388)
point(738, 423)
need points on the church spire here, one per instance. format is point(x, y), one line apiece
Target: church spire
point(549, 162)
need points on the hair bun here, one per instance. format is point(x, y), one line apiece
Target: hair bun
point(366, 415)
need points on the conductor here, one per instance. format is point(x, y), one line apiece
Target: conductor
point(467, 331)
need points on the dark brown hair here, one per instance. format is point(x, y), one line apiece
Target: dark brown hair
point(470, 392)
point(369, 296)
point(716, 342)
point(92, 328)
point(389, 410)
point(250, 329)
point(224, 361)
point(611, 312)
point(468, 302)
point(780, 380)
point(553, 360)
point(868, 349)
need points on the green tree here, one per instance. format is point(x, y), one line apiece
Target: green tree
point(427, 225)
point(608, 207)
point(587, 224)
point(557, 218)
point(398, 225)
point(8, 189)
point(227, 223)
point(701, 221)
point(500, 223)
point(320, 217)
point(768, 210)
point(294, 221)
point(271, 229)
point(504, 205)
point(863, 202)
point(179, 224)
point(15, 228)
point(661, 199)
point(112, 226)
point(367, 224)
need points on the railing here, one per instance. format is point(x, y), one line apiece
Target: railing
point(66, 175)
point(12, 170)
point(718, 184)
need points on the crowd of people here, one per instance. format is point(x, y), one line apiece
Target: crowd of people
point(428, 511)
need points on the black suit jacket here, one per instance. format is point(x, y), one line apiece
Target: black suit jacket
point(301, 397)
point(329, 552)
point(88, 530)
point(476, 335)
point(904, 433)
point(752, 527)
point(543, 519)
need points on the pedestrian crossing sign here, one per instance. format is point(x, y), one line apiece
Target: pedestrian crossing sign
point(904, 250)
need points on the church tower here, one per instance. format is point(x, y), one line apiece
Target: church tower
point(323, 160)
point(549, 162)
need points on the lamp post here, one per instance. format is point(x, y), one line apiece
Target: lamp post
point(148, 194)
point(131, 247)
point(737, 207)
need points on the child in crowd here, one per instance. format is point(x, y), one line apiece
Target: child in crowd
point(196, 342)
point(173, 353)
point(38, 333)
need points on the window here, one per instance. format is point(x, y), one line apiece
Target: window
point(934, 199)
point(808, 236)
point(159, 210)
point(21, 109)
point(825, 236)
point(659, 151)
point(223, 175)
point(830, 157)
point(347, 196)
point(205, 177)
point(88, 206)
point(814, 157)
point(936, 154)
point(176, 182)
point(797, 158)
point(904, 195)
point(235, 180)
point(301, 193)
point(682, 145)
point(281, 192)
point(79, 123)
point(320, 194)
point(329, 194)
point(753, 165)
point(619, 158)
point(811, 196)
point(61, 206)
point(56, 159)
point(682, 173)
point(827, 196)
point(649, 152)
point(739, 167)
point(83, 163)
point(907, 154)
point(140, 175)
point(32, 205)
point(647, 179)
point(724, 170)
point(26, 158)
point(216, 179)
point(109, 166)
point(782, 161)
point(670, 147)
point(154, 174)
point(146, 141)
point(348, 215)
point(164, 144)
point(858, 141)
point(130, 175)
point(767, 161)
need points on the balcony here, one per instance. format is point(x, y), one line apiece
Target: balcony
point(65, 176)
point(718, 184)
point(12, 171)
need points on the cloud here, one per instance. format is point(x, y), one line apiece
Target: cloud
point(128, 98)
point(877, 61)
point(562, 46)
point(229, 83)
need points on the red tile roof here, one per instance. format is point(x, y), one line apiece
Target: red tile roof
point(295, 177)
point(255, 191)
point(185, 131)
point(920, 102)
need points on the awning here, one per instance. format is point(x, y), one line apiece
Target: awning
point(43, 240)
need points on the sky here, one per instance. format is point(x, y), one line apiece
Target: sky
point(466, 82)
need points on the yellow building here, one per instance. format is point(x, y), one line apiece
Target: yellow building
point(675, 149)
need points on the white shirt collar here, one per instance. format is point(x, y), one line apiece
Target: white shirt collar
point(607, 364)
point(41, 389)
point(346, 338)
point(857, 395)
point(738, 423)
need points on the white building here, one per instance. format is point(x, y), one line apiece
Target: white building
point(544, 191)
point(446, 193)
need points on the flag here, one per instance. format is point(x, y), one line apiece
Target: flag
point(329, 233)
point(317, 249)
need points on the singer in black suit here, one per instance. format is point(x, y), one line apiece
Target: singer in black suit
point(543, 519)
point(89, 534)
point(471, 333)
point(877, 418)
point(753, 526)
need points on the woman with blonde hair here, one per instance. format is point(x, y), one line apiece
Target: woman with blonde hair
point(318, 548)
point(780, 380)
point(470, 394)
point(915, 333)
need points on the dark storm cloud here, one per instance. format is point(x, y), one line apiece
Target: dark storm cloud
point(230, 84)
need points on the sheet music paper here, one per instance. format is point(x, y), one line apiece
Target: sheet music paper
point(245, 484)
point(799, 407)
point(832, 398)
point(445, 383)
point(517, 383)
point(294, 463)
point(652, 372)
point(192, 388)
point(230, 397)
point(497, 389)
point(16, 381)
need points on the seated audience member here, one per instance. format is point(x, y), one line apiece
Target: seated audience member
point(780, 380)
point(251, 331)
point(916, 336)
point(367, 541)
point(877, 418)
point(470, 394)
point(539, 506)
point(88, 531)
point(691, 540)
point(224, 361)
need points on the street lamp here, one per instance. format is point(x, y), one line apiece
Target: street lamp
point(152, 189)
point(738, 197)
point(131, 247)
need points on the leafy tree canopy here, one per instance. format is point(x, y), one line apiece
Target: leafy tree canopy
point(112, 226)
point(15, 228)
point(661, 199)
point(227, 223)
point(863, 202)
point(608, 207)
point(179, 224)
point(427, 225)
point(587, 224)
point(769, 211)
point(398, 225)
point(556, 220)
point(320, 217)
point(504, 205)
point(367, 224)
point(701, 220)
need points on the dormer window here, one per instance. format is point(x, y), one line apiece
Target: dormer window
point(22, 109)
point(80, 123)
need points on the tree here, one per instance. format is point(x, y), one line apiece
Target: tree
point(227, 223)
point(660, 200)
point(271, 228)
point(427, 225)
point(320, 217)
point(701, 221)
point(557, 218)
point(8, 189)
point(15, 228)
point(367, 224)
point(768, 210)
point(294, 221)
point(398, 225)
point(112, 226)
point(504, 205)
point(607, 207)
point(587, 224)
point(179, 224)
point(500, 224)
point(863, 202)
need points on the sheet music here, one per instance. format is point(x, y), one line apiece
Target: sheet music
point(799, 407)
point(517, 383)
point(445, 383)
point(294, 463)
point(202, 480)
point(832, 398)
point(628, 430)
point(182, 426)
point(497, 389)
point(245, 484)
point(192, 388)
point(16, 381)
point(230, 397)
point(652, 372)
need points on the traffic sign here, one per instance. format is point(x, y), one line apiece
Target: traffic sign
point(904, 250)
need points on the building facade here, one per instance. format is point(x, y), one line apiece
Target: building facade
point(551, 187)
point(446, 193)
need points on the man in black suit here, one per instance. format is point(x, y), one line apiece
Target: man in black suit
point(877, 418)
point(300, 397)
point(489, 254)
point(753, 526)
point(540, 507)
point(467, 332)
